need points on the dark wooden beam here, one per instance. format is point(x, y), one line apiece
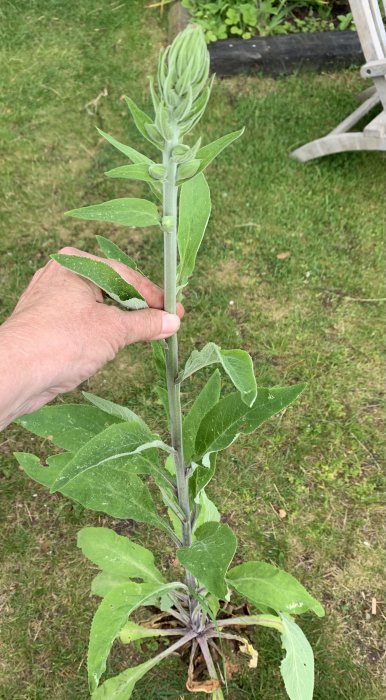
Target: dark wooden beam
point(285, 54)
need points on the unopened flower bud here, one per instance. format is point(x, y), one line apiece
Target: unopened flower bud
point(186, 170)
point(168, 224)
point(157, 171)
point(183, 71)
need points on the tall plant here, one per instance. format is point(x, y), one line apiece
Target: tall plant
point(112, 462)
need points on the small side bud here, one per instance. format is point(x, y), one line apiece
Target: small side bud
point(187, 170)
point(180, 153)
point(168, 224)
point(157, 171)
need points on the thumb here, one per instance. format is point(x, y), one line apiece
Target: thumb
point(146, 324)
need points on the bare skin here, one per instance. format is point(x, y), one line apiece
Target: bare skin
point(60, 333)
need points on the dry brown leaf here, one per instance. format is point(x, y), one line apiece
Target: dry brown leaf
point(248, 649)
point(208, 686)
point(283, 256)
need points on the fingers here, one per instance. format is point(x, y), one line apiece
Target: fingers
point(134, 326)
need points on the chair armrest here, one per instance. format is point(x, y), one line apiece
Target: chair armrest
point(374, 69)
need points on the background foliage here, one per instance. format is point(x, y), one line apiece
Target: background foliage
point(237, 18)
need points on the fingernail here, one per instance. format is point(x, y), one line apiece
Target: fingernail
point(170, 324)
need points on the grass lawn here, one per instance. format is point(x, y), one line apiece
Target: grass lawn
point(303, 316)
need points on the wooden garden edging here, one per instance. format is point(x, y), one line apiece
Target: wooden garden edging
point(277, 55)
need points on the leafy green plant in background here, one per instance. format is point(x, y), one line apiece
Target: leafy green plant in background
point(112, 462)
point(221, 19)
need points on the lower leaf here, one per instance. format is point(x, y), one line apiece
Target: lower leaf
point(297, 668)
point(121, 687)
point(111, 617)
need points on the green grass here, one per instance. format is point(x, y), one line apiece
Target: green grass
point(302, 319)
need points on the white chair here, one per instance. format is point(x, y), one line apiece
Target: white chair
point(372, 35)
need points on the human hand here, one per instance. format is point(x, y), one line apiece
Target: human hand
point(60, 333)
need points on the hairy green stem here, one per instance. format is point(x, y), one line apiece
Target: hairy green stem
point(170, 193)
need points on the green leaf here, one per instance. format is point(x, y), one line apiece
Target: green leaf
point(202, 476)
point(104, 582)
point(230, 417)
point(207, 511)
point(158, 348)
point(118, 555)
point(131, 153)
point(140, 120)
point(99, 474)
point(132, 632)
point(164, 399)
point(194, 212)
point(269, 587)
point(114, 409)
point(119, 442)
point(208, 558)
point(43, 475)
point(126, 211)
point(104, 277)
point(208, 153)
point(206, 399)
point(121, 687)
point(236, 363)
point(112, 615)
point(139, 171)
point(67, 425)
point(112, 251)
point(297, 668)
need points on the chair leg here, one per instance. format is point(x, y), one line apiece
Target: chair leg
point(365, 94)
point(338, 143)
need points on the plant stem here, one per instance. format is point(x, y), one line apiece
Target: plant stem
point(170, 191)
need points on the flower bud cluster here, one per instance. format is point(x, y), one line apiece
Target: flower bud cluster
point(183, 87)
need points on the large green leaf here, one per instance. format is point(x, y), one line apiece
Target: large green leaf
point(139, 171)
point(112, 251)
point(209, 152)
point(114, 409)
point(269, 587)
point(118, 555)
point(112, 615)
point(206, 399)
point(104, 582)
point(208, 558)
point(67, 425)
point(231, 416)
point(118, 442)
point(236, 363)
point(194, 212)
point(297, 668)
point(43, 475)
point(102, 475)
point(131, 153)
point(104, 277)
point(119, 492)
point(126, 211)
